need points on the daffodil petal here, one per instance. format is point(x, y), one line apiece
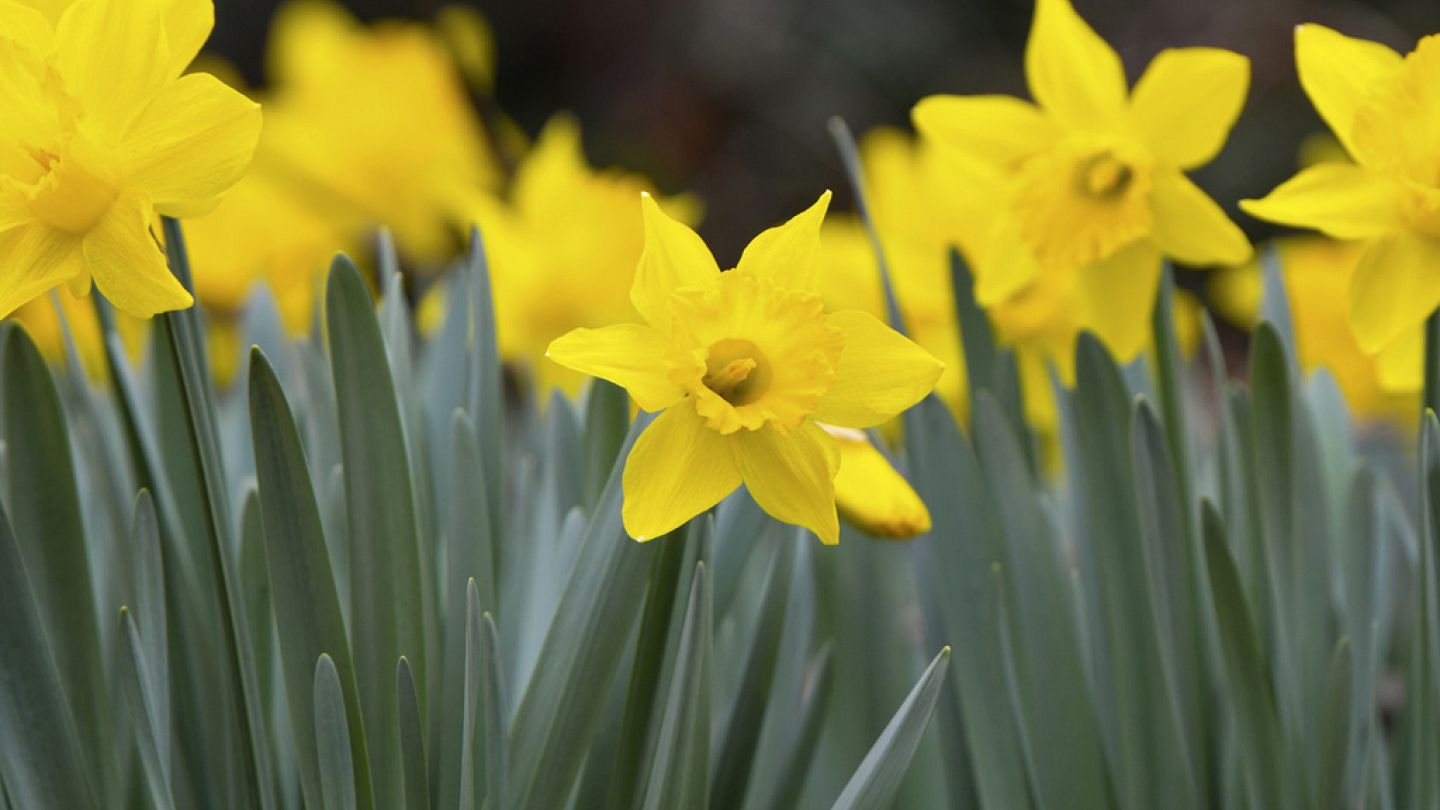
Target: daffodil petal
point(792, 476)
point(1073, 73)
point(1400, 366)
point(36, 259)
point(1118, 295)
point(1395, 287)
point(128, 266)
point(677, 469)
point(1187, 101)
point(1008, 265)
point(1339, 199)
point(1339, 73)
point(880, 373)
point(26, 25)
point(674, 257)
point(789, 254)
point(871, 495)
point(999, 130)
point(1190, 227)
point(629, 355)
point(188, 24)
point(14, 210)
point(113, 57)
point(194, 140)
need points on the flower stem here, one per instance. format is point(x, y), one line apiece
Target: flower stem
point(1431, 400)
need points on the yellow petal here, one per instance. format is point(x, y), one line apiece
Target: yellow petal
point(871, 495)
point(113, 57)
point(1117, 296)
point(1395, 287)
point(1073, 73)
point(36, 259)
point(1339, 199)
point(1339, 72)
point(1000, 130)
point(188, 24)
point(1187, 101)
point(193, 141)
point(127, 264)
point(792, 476)
point(24, 24)
point(1190, 227)
point(789, 254)
point(677, 469)
point(880, 373)
point(629, 355)
point(1008, 264)
point(1401, 365)
point(674, 256)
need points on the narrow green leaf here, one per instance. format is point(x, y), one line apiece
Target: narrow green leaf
point(680, 773)
point(876, 781)
point(386, 600)
point(795, 765)
point(494, 716)
point(988, 367)
point(607, 417)
point(149, 590)
point(487, 384)
point(332, 739)
point(145, 714)
point(412, 740)
point(40, 755)
point(1335, 731)
point(306, 604)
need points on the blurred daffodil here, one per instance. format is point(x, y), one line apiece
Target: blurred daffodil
point(102, 133)
point(743, 365)
point(563, 243)
point(1318, 273)
point(374, 125)
point(1086, 187)
point(870, 494)
point(42, 318)
point(1385, 110)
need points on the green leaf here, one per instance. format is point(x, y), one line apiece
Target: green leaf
point(680, 773)
point(494, 716)
point(332, 739)
point(149, 590)
point(607, 417)
point(45, 514)
point(41, 760)
point(988, 367)
point(306, 604)
point(876, 781)
point(795, 762)
point(386, 600)
point(412, 740)
point(487, 384)
point(145, 712)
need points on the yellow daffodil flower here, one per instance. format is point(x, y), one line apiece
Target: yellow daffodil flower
point(1385, 110)
point(375, 126)
point(1087, 186)
point(870, 494)
point(41, 318)
point(102, 133)
point(743, 366)
point(563, 226)
point(1318, 273)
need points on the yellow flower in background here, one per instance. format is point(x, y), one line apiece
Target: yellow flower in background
point(743, 365)
point(101, 134)
point(563, 243)
point(1318, 273)
point(870, 494)
point(1385, 110)
point(1087, 187)
point(374, 125)
point(41, 318)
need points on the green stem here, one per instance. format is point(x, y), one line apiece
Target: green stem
point(1431, 401)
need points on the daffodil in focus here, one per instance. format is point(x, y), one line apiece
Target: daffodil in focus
point(1385, 111)
point(870, 494)
point(102, 134)
point(375, 127)
point(562, 245)
point(1086, 186)
point(743, 366)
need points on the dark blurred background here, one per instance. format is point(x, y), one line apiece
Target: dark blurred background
point(729, 98)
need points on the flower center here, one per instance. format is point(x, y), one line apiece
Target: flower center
point(1102, 176)
point(736, 371)
point(70, 195)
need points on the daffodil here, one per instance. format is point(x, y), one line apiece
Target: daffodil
point(743, 366)
point(375, 126)
point(563, 226)
point(101, 134)
point(42, 316)
point(870, 494)
point(1087, 185)
point(1385, 110)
